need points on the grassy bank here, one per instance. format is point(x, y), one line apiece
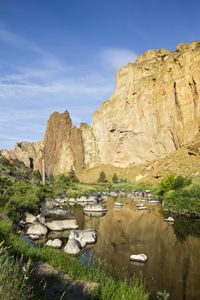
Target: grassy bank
point(14, 278)
point(108, 288)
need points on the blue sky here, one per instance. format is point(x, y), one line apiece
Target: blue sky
point(63, 54)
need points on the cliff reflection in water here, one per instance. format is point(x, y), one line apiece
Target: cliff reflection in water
point(173, 264)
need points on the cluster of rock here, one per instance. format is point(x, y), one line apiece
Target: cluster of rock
point(78, 239)
point(54, 217)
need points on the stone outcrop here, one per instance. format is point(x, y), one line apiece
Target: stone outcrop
point(62, 144)
point(29, 153)
point(154, 111)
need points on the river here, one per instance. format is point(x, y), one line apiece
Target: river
point(173, 250)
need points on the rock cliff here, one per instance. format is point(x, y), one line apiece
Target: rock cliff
point(154, 111)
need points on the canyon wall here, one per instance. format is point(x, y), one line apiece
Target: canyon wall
point(154, 111)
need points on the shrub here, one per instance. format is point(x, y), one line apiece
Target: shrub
point(115, 178)
point(102, 177)
point(72, 178)
point(173, 182)
point(184, 201)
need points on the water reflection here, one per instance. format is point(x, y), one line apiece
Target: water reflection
point(173, 263)
point(184, 228)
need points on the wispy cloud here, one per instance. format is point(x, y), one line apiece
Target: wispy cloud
point(117, 57)
point(29, 93)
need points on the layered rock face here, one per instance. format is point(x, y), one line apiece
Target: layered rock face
point(154, 111)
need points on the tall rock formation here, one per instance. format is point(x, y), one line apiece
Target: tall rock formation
point(154, 111)
point(63, 148)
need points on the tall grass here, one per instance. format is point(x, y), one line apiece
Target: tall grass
point(14, 278)
point(108, 288)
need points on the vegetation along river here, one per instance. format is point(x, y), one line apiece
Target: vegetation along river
point(173, 250)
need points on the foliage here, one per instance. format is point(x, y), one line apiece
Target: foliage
point(102, 177)
point(173, 182)
point(72, 178)
point(115, 178)
point(183, 201)
point(23, 197)
point(79, 189)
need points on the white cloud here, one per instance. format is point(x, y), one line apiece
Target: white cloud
point(117, 57)
point(29, 93)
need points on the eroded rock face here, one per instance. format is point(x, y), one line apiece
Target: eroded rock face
point(29, 153)
point(62, 144)
point(154, 111)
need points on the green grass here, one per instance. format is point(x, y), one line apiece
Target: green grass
point(14, 278)
point(108, 289)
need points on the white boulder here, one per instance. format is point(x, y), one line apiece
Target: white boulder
point(34, 237)
point(72, 247)
point(56, 243)
point(37, 229)
point(59, 225)
point(139, 258)
point(29, 218)
point(169, 219)
point(84, 237)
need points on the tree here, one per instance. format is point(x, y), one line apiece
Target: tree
point(102, 177)
point(72, 178)
point(115, 178)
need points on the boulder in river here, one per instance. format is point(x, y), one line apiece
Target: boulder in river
point(34, 237)
point(138, 258)
point(170, 220)
point(72, 247)
point(84, 237)
point(29, 218)
point(56, 243)
point(56, 213)
point(37, 229)
point(95, 208)
point(59, 225)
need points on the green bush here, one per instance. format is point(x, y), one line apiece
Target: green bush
point(115, 178)
point(24, 196)
point(72, 178)
point(173, 182)
point(183, 201)
point(102, 177)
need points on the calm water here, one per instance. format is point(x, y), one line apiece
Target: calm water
point(173, 250)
